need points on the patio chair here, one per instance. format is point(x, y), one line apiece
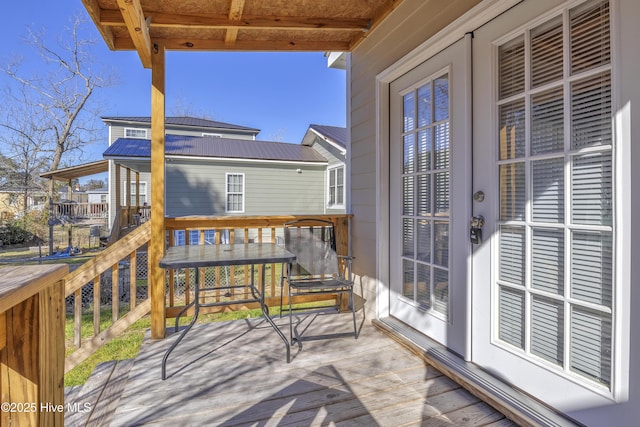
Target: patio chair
point(317, 269)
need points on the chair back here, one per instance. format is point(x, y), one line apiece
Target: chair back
point(314, 244)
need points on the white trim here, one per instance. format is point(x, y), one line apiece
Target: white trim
point(127, 193)
point(212, 135)
point(226, 191)
point(218, 159)
point(146, 133)
point(623, 241)
point(472, 19)
point(328, 186)
point(336, 145)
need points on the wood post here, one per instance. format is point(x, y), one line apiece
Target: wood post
point(32, 357)
point(157, 244)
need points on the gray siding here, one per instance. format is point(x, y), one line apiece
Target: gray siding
point(198, 188)
point(117, 131)
point(335, 158)
point(412, 23)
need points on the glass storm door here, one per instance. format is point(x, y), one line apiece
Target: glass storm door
point(427, 168)
point(543, 279)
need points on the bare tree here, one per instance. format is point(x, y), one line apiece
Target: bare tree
point(48, 117)
point(55, 106)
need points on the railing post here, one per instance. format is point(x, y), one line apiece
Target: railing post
point(157, 244)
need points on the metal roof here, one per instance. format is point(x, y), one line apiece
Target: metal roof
point(181, 121)
point(336, 134)
point(195, 146)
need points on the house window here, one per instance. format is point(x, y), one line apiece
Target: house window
point(235, 192)
point(132, 193)
point(180, 237)
point(555, 277)
point(103, 198)
point(135, 133)
point(336, 187)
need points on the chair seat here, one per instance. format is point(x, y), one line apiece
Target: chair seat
point(332, 284)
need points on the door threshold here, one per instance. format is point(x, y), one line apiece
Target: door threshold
point(514, 404)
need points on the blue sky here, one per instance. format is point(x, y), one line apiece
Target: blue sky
point(279, 93)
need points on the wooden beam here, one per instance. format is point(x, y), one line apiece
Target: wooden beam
point(93, 8)
point(157, 243)
point(235, 13)
point(113, 18)
point(138, 30)
point(243, 45)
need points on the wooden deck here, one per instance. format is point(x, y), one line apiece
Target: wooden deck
point(235, 373)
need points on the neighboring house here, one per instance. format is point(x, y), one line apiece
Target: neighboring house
point(523, 113)
point(223, 176)
point(331, 143)
point(12, 202)
point(140, 128)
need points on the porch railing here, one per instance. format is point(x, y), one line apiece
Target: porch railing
point(107, 294)
point(217, 230)
point(81, 210)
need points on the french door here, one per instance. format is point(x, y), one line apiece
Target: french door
point(543, 279)
point(428, 165)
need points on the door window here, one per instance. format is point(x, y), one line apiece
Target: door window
point(555, 216)
point(425, 195)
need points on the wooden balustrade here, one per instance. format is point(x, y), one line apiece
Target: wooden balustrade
point(32, 345)
point(108, 269)
point(217, 230)
point(81, 210)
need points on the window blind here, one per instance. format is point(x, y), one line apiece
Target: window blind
point(566, 237)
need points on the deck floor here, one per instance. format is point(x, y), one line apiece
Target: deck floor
point(235, 374)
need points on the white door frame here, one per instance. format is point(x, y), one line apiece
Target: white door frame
point(477, 16)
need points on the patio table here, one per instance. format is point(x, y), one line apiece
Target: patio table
point(201, 256)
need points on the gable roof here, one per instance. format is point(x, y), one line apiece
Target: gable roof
point(228, 148)
point(180, 121)
point(336, 134)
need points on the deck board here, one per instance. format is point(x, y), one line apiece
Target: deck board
point(235, 373)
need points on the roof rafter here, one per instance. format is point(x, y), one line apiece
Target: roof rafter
point(242, 46)
point(235, 13)
point(113, 18)
point(138, 29)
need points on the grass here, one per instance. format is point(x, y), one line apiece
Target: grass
point(127, 345)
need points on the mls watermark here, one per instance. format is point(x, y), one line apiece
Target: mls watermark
point(21, 407)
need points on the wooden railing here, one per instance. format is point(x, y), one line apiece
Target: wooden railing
point(81, 210)
point(111, 282)
point(216, 230)
point(108, 283)
point(32, 345)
